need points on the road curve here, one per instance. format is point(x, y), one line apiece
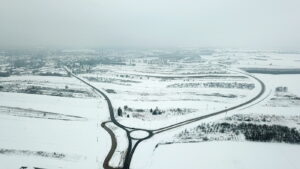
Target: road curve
point(131, 148)
point(263, 88)
point(113, 119)
point(176, 125)
point(113, 146)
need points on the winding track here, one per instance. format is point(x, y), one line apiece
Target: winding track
point(131, 148)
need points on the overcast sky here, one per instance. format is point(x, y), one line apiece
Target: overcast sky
point(150, 23)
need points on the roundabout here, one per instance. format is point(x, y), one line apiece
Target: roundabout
point(136, 135)
point(140, 134)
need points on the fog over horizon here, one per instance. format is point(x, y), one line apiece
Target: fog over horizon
point(262, 24)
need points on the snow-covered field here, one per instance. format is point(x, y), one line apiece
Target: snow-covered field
point(178, 96)
point(30, 138)
point(226, 155)
point(243, 154)
point(54, 122)
point(284, 106)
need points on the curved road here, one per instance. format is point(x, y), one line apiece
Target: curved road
point(113, 146)
point(131, 148)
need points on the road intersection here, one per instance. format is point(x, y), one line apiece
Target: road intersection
point(134, 141)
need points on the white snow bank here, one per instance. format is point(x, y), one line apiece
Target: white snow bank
point(225, 155)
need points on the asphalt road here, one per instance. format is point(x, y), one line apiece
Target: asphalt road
point(113, 119)
point(132, 147)
point(113, 146)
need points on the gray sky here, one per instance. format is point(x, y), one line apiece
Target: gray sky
point(150, 23)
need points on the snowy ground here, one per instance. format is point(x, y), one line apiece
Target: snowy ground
point(231, 154)
point(237, 154)
point(192, 98)
point(282, 107)
point(226, 155)
point(54, 130)
point(33, 133)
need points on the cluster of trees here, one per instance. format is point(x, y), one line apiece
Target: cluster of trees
point(32, 90)
point(235, 85)
point(110, 80)
point(86, 64)
point(93, 61)
point(40, 90)
point(156, 111)
point(126, 109)
point(124, 112)
point(281, 89)
point(181, 111)
point(252, 132)
point(110, 91)
point(270, 133)
point(185, 85)
point(254, 118)
point(52, 74)
point(29, 62)
point(229, 85)
point(4, 74)
point(53, 155)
